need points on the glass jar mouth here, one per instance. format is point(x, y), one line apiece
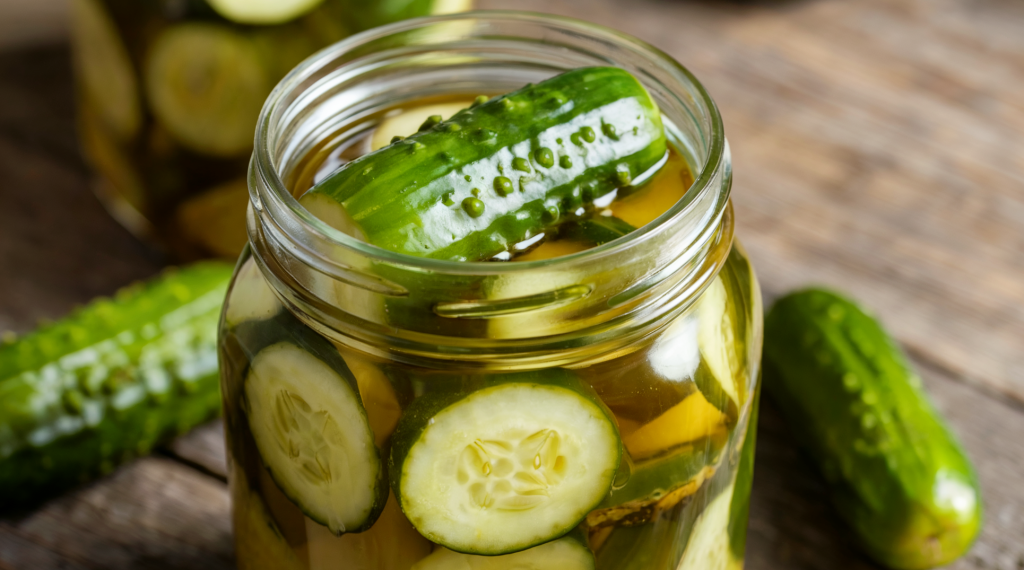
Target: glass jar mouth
point(269, 192)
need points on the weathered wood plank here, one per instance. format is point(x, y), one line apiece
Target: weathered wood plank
point(154, 513)
point(203, 448)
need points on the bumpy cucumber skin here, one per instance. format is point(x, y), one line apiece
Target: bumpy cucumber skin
point(417, 417)
point(109, 382)
point(254, 336)
point(408, 197)
point(857, 407)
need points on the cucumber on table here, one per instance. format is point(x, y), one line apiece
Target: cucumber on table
point(495, 174)
point(514, 463)
point(307, 418)
point(109, 382)
point(897, 474)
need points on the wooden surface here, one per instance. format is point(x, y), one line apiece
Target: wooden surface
point(878, 147)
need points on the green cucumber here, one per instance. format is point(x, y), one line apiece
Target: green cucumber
point(597, 230)
point(517, 462)
point(495, 174)
point(739, 510)
point(720, 364)
point(708, 546)
point(307, 418)
point(659, 484)
point(206, 85)
point(896, 472)
point(567, 553)
point(251, 297)
point(262, 12)
point(109, 382)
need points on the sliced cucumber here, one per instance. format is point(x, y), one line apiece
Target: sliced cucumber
point(717, 339)
point(251, 298)
point(708, 547)
point(451, 6)
point(104, 68)
point(515, 463)
point(262, 12)
point(206, 85)
point(567, 553)
point(215, 219)
point(312, 432)
point(659, 484)
point(690, 420)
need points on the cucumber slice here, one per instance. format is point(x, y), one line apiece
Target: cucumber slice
point(262, 12)
point(717, 339)
point(409, 121)
point(104, 68)
point(215, 219)
point(659, 484)
point(313, 434)
point(516, 463)
point(251, 297)
point(451, 6)
point(567, 553)
point(206, 85)
point(708, 548)
point(690, 420)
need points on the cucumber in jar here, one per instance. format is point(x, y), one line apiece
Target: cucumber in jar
point(567, 553)
point(518, 461)
point(307, 418)
point(495, 174)
point(206, 84)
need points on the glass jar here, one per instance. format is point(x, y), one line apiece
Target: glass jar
point(168, 93)
point(387, 411)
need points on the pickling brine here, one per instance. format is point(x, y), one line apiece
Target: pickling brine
point(538, 354)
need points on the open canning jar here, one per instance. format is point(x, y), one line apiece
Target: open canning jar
point(389, 411)
point(168, 93)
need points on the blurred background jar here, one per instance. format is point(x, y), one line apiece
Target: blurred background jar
point(168, 93)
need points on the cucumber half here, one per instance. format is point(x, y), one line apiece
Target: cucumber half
point(567, 553)
point(262, 12)
point(314, 437)
point(506, 467)
point(206, 85)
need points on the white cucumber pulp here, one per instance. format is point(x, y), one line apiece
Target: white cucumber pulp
point(708, 547)
point(505, 468)
point(313, 435)
point(262, 12)
point(716, 339)
point(566, 553)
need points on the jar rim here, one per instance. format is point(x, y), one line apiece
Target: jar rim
point(276, 192)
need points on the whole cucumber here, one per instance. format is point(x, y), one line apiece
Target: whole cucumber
point(109, 382)
point(499, 172)
point(897, 475)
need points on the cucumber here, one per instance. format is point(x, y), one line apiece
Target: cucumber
point(109, 382)
point(739, 510)
point(262, 12)
point(595, 231)
point(206, 85)
point(690, 420)
point(515, 463)
point(307, 419)
point(708, 547)
point(259, 544)
point(493, 175)
point(659, 484)
point(251, 298)
point(104, 69)
point(361, 15)
point(215, 219)
point(567, 553)
point(897, 474)
point(720, 364)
